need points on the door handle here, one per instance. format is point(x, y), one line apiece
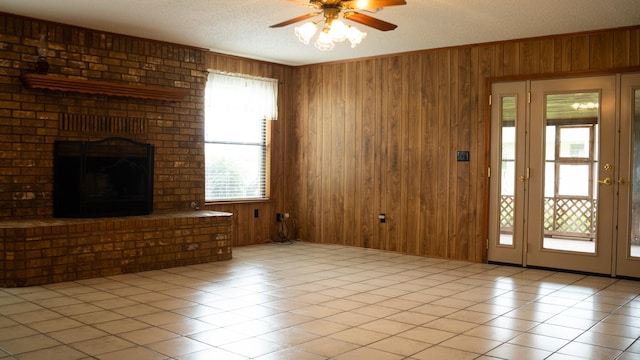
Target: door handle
point(606, 181)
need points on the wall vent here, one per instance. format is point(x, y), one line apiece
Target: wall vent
point(103, 124)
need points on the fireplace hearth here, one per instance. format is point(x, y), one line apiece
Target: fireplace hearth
point(110, 177)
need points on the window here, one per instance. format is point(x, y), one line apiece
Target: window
point(237, 109)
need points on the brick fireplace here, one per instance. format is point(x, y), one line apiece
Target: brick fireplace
point(100, 85)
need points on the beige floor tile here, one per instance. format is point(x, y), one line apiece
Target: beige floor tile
point(327, 347)
point(177, 347)
point(15, 331)
point(617, 330)
point(571, 322)
point(25, 344)
point(387, 326)
point(316, 311)
point(321, 327)
point(471, 316)
point(103, 345)
point(556, 331)
point(440, 352)
point(289, 353)
point(62, 352)
point(512, 351)
point(122, 325)
point(34, 316)
point(219, 337)
point(161, 318)
point(77, 334)
point(98, 317)
point(19, 308)
point(137, 353)
point(147, 335)
point(400, 345)
point(470, 344)
point(589, 351)
point(289, 337)
point(136, 310)
point(450, 325)
point(512, 323)
point(538, 341)
point(427, 335)
point(185, 328)
point(365, 353)
point(493, 333)
point(252, 347)
point(359, 336)
point(53, 325)
point(350, 318)
point(605, 340)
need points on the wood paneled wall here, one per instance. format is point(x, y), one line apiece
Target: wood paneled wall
point(380, 136)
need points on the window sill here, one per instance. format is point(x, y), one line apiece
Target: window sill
point(237, 201)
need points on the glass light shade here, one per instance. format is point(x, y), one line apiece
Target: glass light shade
point(355, 36)
point(338, 31)
point(306, 32)
point(324, 41)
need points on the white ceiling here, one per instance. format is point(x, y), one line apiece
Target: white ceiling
point(241, 27)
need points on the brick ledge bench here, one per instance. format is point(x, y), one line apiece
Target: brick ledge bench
point(43, 251)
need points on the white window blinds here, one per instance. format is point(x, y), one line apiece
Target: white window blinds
point(237, 108)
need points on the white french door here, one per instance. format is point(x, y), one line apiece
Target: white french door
point(628, 237)
point(558, 195)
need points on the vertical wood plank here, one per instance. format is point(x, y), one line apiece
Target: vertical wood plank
point(546, 56)
point(413, 118)
point(351, 179)
point(443, 171)
point(529, 57)
point(430, 172)
point(580, 52)
point(394, 159)
point(600, 51)
point(367, 198)
point(382, 149)
point(621, 48)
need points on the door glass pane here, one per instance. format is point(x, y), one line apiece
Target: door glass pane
point(574, 142)
point(508, 169)
point(570, 202)
point(635, 197)
point(571, 180)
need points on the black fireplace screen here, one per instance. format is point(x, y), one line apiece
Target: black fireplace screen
point(111, 177)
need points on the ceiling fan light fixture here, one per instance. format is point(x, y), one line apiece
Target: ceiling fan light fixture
point(324, 41)
point(306, 32)
point(338, 31)
point(355, 36)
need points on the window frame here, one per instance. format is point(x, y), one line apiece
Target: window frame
point(266, 129)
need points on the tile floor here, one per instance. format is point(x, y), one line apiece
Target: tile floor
point(311, 301)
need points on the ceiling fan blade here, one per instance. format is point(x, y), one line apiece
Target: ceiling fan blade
point(370, 21)
point(371, 4)
point(296, 19)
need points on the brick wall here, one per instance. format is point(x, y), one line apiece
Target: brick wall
point(32, 119)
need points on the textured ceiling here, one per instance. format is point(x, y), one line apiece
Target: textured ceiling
point(241, 27)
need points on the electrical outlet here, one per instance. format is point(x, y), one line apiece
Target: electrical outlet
point(256, 213)
point(278, 217)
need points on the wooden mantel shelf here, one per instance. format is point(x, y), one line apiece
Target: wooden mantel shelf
point(58, 83)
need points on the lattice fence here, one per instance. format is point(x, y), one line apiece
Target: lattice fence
point(575, 217)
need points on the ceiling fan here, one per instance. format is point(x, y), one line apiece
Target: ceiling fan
point(333, 29)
